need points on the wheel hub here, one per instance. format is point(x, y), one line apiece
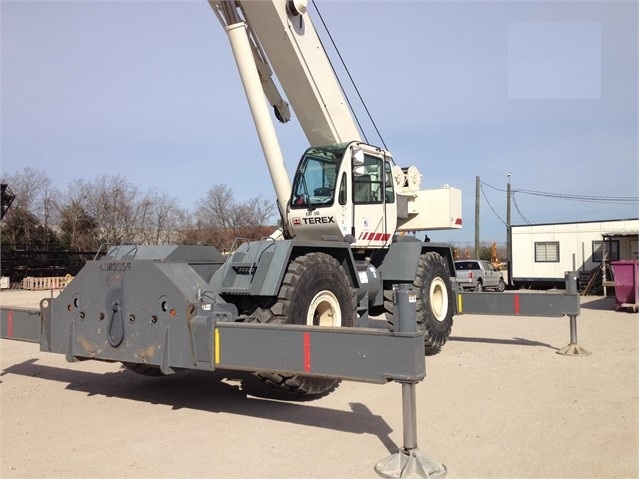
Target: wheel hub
point(438, 297)
point(324, 310)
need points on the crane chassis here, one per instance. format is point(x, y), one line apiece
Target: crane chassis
point(296, 310)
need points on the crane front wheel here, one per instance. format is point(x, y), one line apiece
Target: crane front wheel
point(316, 291)
point(435, 301)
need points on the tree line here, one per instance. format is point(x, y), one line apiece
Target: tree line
point(111, 209)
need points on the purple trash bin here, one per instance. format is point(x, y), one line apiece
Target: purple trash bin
point(626, 284)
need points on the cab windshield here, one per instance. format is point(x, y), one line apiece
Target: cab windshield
point(316, 175)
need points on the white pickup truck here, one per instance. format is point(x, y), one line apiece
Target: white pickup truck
point(477, 275)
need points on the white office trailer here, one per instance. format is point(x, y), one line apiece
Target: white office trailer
point(542, 253)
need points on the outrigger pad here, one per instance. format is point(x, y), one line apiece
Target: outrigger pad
point(573, 349)
point(410, 463)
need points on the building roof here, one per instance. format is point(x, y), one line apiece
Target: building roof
point(577, 222)
point(617, 234)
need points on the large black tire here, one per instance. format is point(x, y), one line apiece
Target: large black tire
point(315, 291)
point(435, 301)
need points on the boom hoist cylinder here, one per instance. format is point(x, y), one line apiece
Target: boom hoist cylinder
point(238, 37)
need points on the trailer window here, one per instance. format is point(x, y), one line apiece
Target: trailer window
point(547, 252)
point(610, 247)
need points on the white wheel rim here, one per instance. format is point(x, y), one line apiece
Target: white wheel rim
point(324, 310)
point(438, 297)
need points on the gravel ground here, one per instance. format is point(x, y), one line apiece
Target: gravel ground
point(496, 402)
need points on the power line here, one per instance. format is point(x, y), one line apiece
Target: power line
point(493, 187)
point(585, 198)
point(559, 196)
point(519, 211)
point(487, 201)
point(565, 196)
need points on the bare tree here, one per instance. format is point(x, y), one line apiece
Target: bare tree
point(50, 209)
point(77, 222)
point(159, 219)
point(255, 212)
point(219, 220)
point(78, 225)
point(30, 186)
point(36, 197)
point(111, 209)
point(112, 201)
point(216, 208)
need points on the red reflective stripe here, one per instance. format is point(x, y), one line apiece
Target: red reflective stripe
point(374, 236)
point(516, 304)
point(10, 324)
point(307, 352)
point(458, 221)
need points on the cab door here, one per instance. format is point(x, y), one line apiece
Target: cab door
point(373, 200)
point(491, 275)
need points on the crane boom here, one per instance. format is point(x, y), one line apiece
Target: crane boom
point(297, 56)
point(376, 198)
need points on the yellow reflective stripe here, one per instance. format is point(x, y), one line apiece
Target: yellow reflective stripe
point(459, 303)
point(217, 346)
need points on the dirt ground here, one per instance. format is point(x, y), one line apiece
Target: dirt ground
point(496, 402)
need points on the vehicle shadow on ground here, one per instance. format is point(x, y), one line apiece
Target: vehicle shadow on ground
point(600, 303)
point(513, 341)
point(232, 392)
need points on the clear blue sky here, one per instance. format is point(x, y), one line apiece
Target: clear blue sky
point(545, 91)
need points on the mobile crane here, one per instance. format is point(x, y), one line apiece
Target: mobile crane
point(342, 249)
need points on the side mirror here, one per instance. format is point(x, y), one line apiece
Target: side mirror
point(358, 157)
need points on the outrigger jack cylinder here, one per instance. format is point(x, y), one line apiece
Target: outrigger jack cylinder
point(572, 349)
point(408, 462)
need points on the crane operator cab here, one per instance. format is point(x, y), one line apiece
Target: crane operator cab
point(344, 192)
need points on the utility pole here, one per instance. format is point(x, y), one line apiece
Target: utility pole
point(477, 183)
point(509, 246)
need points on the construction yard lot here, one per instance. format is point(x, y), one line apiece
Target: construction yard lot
point(497, 402)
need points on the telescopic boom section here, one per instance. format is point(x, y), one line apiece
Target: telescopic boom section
point(293, 48)
point(284, 33)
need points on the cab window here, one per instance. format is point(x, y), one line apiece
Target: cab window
point(315, 183)
point(342, 190)
point(389, 190)
point(373, 182)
